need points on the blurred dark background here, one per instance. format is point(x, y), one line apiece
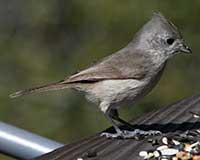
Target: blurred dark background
point(44, 41)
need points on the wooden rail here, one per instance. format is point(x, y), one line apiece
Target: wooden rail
point(170, 119)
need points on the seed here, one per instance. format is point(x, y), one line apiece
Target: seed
point(162, 147)
point(187, 147)
point(180, 154)
point(198, 131)
point(176, 142)
point(169, 151)
point(165, 140)
point(196, 158)
point(143, 154)
point(183, 155)
point(156, 154)
point(150, 155)
point(195, 115)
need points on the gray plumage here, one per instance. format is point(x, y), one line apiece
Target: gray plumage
point(128, 74)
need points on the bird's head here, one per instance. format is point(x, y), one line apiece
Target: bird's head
point(159, 34)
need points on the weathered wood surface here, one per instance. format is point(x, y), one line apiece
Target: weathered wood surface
point(169, 119)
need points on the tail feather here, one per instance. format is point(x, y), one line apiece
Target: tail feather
point(44, 88)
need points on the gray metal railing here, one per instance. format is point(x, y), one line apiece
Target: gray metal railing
point(22, 144)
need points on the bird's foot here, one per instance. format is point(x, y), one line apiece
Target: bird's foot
point(136, 134)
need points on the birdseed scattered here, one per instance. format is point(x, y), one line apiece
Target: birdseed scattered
point(185, 146)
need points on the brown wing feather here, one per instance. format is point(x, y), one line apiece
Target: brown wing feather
point(122, 65)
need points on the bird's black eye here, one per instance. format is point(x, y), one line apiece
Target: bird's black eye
point(170, 41)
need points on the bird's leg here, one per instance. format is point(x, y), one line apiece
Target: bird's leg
point(115, 115)
point(117, 129)
point(136, 133)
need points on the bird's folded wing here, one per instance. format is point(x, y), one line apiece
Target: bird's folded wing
point(125, 64)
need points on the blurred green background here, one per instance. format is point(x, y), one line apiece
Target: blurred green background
point(44, 41)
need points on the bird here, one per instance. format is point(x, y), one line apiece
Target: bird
point(127, 75)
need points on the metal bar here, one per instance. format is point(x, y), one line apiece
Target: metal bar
point(22, 144)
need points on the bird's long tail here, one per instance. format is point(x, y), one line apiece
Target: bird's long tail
point(43, 88)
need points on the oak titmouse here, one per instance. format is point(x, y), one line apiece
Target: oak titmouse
point(127, 75)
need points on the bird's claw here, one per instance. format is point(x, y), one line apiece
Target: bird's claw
point(136, 134)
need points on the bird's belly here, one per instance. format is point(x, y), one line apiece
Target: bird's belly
point(117, 92)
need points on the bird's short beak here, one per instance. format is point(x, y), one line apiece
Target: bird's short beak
point(184, 48)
